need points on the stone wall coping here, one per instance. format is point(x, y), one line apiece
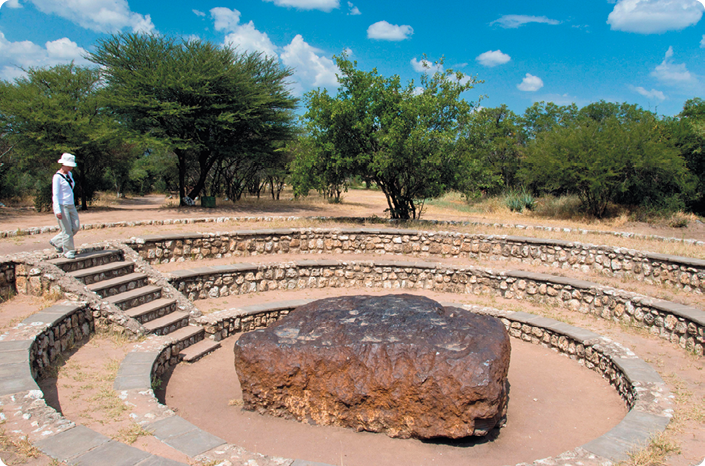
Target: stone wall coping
point(168, 237)
point(669, 258)
point(581, 231)
point(53, 314)
point(688, 312)
point(544, 277)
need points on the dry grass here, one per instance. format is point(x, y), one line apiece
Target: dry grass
point(19, 449)
point(129, 435)
point(654, 453)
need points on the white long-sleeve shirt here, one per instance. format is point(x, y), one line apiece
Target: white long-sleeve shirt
point(62, 193)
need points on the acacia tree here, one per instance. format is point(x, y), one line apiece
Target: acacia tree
point(610, 153)
point(203, 102)
point(401, 137)
point(494, 138)
point(56, 110)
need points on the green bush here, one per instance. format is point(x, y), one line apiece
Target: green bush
point(517, 201)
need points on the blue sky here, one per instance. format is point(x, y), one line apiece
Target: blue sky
point(648, 52)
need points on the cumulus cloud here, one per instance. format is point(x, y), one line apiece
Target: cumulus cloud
point(98, 15)
point(311, 68)
point(493, 58)
point(16, 56)
point(11, 4)
point(353, 9)
point(248, 38)
point(654, 16)
point(382, 30)
point(515, 21)
point(323, 5)
point(652, 94)
point(675, 74)
point(530, 83)
point(425, 66)
point(198, 13)
point(225, 19)
point(243, 37)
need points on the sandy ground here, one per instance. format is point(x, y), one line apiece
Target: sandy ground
point(572, 404)
point(555, 405)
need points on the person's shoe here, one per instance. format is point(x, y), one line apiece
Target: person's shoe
point(57, 248)
point(70, 255)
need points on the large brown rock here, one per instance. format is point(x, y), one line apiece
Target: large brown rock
point(399, 364)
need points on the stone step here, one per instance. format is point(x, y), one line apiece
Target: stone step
point(168, 324)
point(87, 260)
point(200, 349)
point(152, 310)
point(103, 272)
point(119, 285)
point(136, 297)
point(187, 336)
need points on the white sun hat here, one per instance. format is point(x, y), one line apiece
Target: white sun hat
point(67, 159)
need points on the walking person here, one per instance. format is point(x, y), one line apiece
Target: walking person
point(62, 186)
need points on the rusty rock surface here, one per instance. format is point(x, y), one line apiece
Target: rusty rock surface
point(399, 364)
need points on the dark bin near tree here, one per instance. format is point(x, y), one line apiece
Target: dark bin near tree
point(208, 201)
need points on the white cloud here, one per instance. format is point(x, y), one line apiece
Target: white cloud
point(354, 11)
point(11, 4)
point(530, 83)
point(98, 15)
point(14, 56)
point(652, 94)
point(323, 5)
point(425, 66)
point(702, 42)
point(248, 38)
point(244, 37)
point(493, 58)
point(674, 74)
point(225, 19)
point(515, 21)
point(198, 13)
point(311, 69)
point(382, 30)
point(654, 16)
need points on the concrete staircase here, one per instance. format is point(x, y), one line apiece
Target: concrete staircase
point(114, 279)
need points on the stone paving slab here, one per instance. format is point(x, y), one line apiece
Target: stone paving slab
point(135, 371)
point(637, 370)
point(184, 436)
point(71, 443)
point(51, 315)
point(159, 461)
point(112, 453)
point(15, 371)
point(631, 434)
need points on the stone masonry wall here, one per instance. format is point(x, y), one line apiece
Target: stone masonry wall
point(682, 272)
point(680, 324)
point(7, 280)
point(58, 339)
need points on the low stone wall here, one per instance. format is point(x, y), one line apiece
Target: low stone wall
point(681, 272)
point(71, 324)
point(7, 280)
point(680, 324)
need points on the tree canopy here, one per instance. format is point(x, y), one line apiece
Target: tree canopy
point(610, 153)
point(208, 104)
point(399, 136)
point(55, 110)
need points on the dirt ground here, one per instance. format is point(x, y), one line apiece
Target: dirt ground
point(555, 404)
